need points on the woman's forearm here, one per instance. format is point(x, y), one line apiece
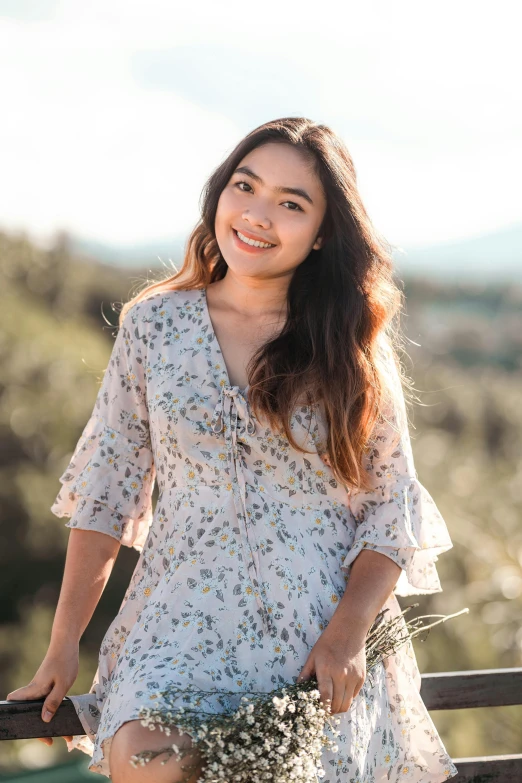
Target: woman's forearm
point(88, 565)
point(372, 579)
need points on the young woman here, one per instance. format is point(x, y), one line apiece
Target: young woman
point(260, 386)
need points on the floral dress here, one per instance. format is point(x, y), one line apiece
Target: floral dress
point(248, 550)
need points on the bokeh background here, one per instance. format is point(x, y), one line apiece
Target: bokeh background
point(114, 113)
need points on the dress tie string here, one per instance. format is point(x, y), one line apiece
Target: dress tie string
point(230, 405)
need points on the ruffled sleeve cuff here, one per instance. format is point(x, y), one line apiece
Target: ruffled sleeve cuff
point(406, 526)
point(108, 484)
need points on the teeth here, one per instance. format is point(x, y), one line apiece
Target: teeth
point(253, 242)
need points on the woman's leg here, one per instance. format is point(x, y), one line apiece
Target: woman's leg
point(132, 737)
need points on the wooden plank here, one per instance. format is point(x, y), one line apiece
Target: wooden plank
point(479, 688)
point(489, 769)
point(22, 720)
point(447, 690)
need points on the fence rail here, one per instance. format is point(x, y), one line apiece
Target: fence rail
point(445, 691)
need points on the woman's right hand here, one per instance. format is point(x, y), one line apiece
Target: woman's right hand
point(56, 675)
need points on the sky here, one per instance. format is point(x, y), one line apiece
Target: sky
point(115, 112)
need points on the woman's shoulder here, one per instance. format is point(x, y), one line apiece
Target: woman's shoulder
point(158, 306)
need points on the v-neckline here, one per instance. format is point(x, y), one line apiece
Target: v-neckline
point(218, 346)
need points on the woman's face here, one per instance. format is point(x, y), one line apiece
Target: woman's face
point(255, 203)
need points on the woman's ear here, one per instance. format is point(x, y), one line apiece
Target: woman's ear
point(318, 243)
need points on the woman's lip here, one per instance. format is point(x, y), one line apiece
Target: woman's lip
point(249, 248)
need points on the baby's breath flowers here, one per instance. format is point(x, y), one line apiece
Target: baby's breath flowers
point(276, 736)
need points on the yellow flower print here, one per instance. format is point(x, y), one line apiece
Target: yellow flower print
point(147, 591)
point(222, 457)
point(116, 527)
point(334, 598)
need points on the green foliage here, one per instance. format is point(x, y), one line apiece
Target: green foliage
point(467, 442)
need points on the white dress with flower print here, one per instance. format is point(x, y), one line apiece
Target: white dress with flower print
point(248, 549)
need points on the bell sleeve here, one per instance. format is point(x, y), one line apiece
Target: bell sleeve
point(398, 517)
point(107, 485)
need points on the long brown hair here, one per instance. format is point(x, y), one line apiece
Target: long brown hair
point(343, 306)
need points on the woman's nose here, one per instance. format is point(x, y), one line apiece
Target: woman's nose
point(256, 219)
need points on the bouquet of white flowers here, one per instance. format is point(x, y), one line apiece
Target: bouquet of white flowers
point(275, 736)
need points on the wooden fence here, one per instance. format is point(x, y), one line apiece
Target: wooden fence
point(446, 691)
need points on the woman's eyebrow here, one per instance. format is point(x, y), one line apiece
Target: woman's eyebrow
point(279, 188)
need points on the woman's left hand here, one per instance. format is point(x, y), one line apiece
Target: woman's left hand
point(338, 660)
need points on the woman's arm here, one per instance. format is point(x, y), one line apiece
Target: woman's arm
point(90, 559)
point(88, 565)
point(338, 658)
point(372, 579)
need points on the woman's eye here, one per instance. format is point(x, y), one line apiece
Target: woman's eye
point(297, 207)
point(242, 183)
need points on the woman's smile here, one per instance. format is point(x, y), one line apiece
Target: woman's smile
point(243, 244)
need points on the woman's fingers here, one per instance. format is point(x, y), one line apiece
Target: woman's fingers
point(347, 699)
point(325, 686)
point(37, 690)
point(33, 690)
point(49, 740)
point(53, 701)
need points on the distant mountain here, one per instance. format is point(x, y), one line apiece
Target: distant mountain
point(493, 256)
point(496, 256)
point(139, 255)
